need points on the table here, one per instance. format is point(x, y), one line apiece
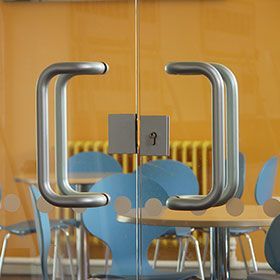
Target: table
point(219, 222)
point(83, 178)
point(79, 179)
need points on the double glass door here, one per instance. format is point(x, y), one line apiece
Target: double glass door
point(130, 119)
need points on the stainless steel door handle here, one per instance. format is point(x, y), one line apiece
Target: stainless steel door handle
point(232, 132)
point(199, 202)
point(61, 136)
point(61, 162)
point(75, 199)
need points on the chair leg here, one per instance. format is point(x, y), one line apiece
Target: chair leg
point(60, 268)
point(44, 267)
point(55, 256)
point(243, 255)
point(184, 253)
point(4, 246)
point(107, 255)
point(156, 253)
point(252, 251)
point(68, 247)
point(60, 264)
point(180, 240)
point(198, 256)
point(205, 251)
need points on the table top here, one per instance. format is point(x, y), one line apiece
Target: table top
point(83, 178)
point(253, 215)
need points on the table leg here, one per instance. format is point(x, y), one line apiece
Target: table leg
point(219, 254)
point(81, 247)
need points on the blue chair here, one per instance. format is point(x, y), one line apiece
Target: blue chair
point(43, 230)
point(25, 228)
point(266, 180)
point(19, 229)
point(263, 191)
point(98, 162)
point(121, 237)
point(272, 253)
point(264, 185)
point(176, 179)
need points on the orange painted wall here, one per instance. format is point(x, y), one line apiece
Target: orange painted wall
point(241, 34)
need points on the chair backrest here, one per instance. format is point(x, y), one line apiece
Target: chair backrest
point(121, 237)
point(272, 245)
point(43, 231)
point(93, 162)
point(266, 180)
point(175, 177)
point(242, 174)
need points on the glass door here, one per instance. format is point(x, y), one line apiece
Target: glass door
point(93, 41)
point(176, 40)
point(157, 146)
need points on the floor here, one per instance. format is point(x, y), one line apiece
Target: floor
point(16, 277)
point(235, 275)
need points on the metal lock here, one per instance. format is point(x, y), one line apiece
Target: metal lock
point(154, 135)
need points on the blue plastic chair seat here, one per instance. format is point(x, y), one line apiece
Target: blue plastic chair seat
point(239, 231)
point(28, 227)
point(71, 222)
point(179, 231)
point(58, 224)
point(22, 228)
point(235, 231)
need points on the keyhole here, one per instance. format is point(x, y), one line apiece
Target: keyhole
point(153, 136)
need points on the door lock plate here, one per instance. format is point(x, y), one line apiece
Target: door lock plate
point(122, 133)
point(154, 135)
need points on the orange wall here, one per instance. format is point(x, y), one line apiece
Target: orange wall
point(241, 34)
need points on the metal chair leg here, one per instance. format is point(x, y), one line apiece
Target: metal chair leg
point(243, 255)
point(156, 253)
point(60, 264)
point(198, 256)
point(180, 239)
point(205, 251)
point(60, 268)
point(55, 256)
point(184, 253)
point(107, 255)
point(68, 247)
point(252, 251)
point(4, 246)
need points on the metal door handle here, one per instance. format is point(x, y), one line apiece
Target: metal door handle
point(218, 158)
point(61, 150)
point(232, 132)
point(74, 199)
